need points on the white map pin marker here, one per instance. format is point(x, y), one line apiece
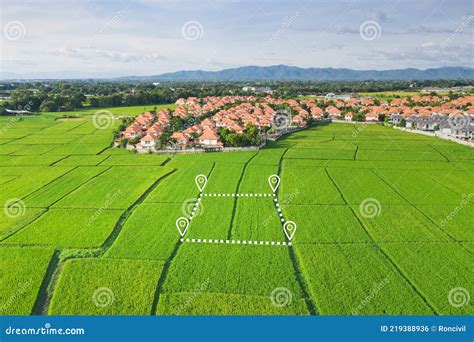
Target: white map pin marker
point(201, 181)
point(182, 224)
point(274, 182)
point(290, 228)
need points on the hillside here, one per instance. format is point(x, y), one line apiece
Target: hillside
point(291, 73)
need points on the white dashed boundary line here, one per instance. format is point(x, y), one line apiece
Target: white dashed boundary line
point(193, 212)
point(277, 206)
point(238, 242)
point(238, 195)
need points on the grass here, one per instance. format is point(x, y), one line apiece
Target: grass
point(20, 285)
point(106, 287)
point(119, 111)
point(110, 216)
point(198, 303)
point(357, 280)
point(110, 191)
point(149, 233)
point(223, 269)
point(84, 228)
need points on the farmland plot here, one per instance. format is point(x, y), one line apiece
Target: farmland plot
point(399, 223)
point(455, 220)
point(10, 224)
point(418, 188)
point(27, 183)
point(436, 270)
point(124, 286)
point(19, 285)
point(199, 303)
point(150, 233)
point(358, 184)
point(301, 185)
point(268, 156)
point(255, 179)
point(179, 186)
point(357, 280)
point(110, 191)
point(223, 179)
point(79, 160)
point(388, 154)
point(61, 186)
point(256, 219)
point(319, 153)
point(324, 224)
point(222, 267)
point(68, 228)
point(133, 159)
point(212, 218)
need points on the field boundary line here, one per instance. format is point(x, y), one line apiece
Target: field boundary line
point(237, 188)
point(109, 241)
point(377, 247)
point(51, 181)
point(98, 164)
point(46, 209)
point(297, 268)
point(438, 151)
point(336, 186)
point(237, 242)
point(57, 161)
point(55, 273)
point(394, 265)
point(50, 278)
point(451, 238)
point(237, 195)
point(167, 265)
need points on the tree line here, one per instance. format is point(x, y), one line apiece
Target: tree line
point(58, 96)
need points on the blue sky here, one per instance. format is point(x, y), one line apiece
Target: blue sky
point(145, 37)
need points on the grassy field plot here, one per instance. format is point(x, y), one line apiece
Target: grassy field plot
point(106, 287)
point(357, 280)
point(418, 188)
point(304, 185)
point(108, 190)
point(443, 272)
point(398, 223)
point(211, 219)
point(55, 190)
point(319, 153)
point(69, 228)
point(20, 285)
point(149, 233)
point(179, 186)
point(324, 224)
point(198, 303)
point(257, 219)
point(222, 268)
point(79, 160)
point(357, 185)
point(133, 159)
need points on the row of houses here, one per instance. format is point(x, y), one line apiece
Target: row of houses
point(234, 113)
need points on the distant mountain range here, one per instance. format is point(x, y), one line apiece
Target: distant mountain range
point(290, 73)
point(271, 73)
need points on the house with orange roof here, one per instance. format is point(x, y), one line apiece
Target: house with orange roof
point(181, 140)
point(349, 116)
point(148, 142)
point(133, 131)
point(371, 116)
point(209, 139)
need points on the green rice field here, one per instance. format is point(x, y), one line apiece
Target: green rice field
point(385, 224)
